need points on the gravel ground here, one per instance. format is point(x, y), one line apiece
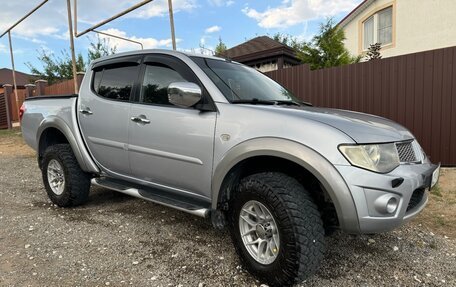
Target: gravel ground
point(117, 240)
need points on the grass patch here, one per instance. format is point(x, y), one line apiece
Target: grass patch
point(439, 220)
point(14, 132)
point(436, 190)
point(440, 213)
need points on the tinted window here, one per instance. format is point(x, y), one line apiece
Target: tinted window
point(115, 83)
point(240, 83)
point(157, 78)
point(96, 80)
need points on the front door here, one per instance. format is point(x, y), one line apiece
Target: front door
point(104, 112)
point(171, 147)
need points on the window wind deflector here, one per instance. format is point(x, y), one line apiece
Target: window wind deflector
point(119, 61)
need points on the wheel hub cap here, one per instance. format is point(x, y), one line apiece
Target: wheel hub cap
point(259, 232)
point(264, 231)
point(56, 177)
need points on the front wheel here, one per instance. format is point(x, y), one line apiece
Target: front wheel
point(65, 182)
point(276, 228)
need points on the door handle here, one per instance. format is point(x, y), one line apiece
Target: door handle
point(140, 119)
point(85, 111)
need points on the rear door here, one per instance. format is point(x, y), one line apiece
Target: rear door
point(173, 147)
point(104, 112)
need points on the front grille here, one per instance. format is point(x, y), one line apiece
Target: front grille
point(417, 197)
point(406, 152)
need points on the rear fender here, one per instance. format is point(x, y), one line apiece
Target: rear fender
point(81, 154)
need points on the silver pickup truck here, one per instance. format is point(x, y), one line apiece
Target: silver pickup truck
point(220, 140)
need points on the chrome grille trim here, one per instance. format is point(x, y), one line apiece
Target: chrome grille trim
point(408, 152)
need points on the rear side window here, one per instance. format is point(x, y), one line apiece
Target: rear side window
point(115, 83)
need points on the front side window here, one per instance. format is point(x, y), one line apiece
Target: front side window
point(115, 83)
point(378, 28)
point(157, 78)
point(240, 83)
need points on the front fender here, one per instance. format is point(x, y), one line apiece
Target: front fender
point(306, 157)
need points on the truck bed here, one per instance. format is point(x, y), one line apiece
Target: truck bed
point(47, 108)
point(51, 97)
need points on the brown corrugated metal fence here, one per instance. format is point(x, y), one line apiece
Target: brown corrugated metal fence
point(3, 116)
point(417, 90)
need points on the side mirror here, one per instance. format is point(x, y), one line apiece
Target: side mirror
point(184, 94)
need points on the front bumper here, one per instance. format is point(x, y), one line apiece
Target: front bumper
point(407, 185)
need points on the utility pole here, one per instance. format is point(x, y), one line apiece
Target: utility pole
point(14, 72)
point(73, 56)
point(171, 21)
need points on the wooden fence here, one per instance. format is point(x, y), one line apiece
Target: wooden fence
point(417, 90)
point(40, 88)
point(21, 95)
point(65, 87)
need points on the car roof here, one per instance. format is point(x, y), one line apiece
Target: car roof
point(155, 51)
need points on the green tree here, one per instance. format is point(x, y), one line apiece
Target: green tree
point(57, 68)
point(100, 49)
point(373, 53)
point(326, 49)
point(221, 48)
point(285, 39)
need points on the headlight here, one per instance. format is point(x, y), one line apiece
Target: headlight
point(381, 158)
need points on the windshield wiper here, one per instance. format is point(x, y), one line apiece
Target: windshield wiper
point(255, 101)
point(290, 103)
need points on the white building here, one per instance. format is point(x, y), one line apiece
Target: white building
point(401, 26)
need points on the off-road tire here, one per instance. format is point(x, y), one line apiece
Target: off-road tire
point(77, 182)
point(299, 223)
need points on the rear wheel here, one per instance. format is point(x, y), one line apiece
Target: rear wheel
point(276, 228)
point(65, 182)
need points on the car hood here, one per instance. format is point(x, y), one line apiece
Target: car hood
point(362, 128)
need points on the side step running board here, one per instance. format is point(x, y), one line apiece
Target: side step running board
point(192, 206)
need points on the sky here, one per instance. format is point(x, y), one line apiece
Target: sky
point(197, 23)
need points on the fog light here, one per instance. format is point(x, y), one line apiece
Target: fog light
point(386, 204)
point(391, 206)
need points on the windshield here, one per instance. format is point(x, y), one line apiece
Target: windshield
point(243, 84)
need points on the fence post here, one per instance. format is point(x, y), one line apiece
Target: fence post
point(40, 85)
point(29, 90)
point(8, 90)
point(80, 76)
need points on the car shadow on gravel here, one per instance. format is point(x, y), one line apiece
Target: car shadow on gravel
point(100, 197)
point(160, 233)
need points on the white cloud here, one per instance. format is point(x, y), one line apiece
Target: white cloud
point(51, 18)
point(148, 43)
point(3, 48)
point(216, 2)
point(213, 29)
point(220, 3)
point(160, 8)
point(208, 51)
point(293, 12)
point(33, 27)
